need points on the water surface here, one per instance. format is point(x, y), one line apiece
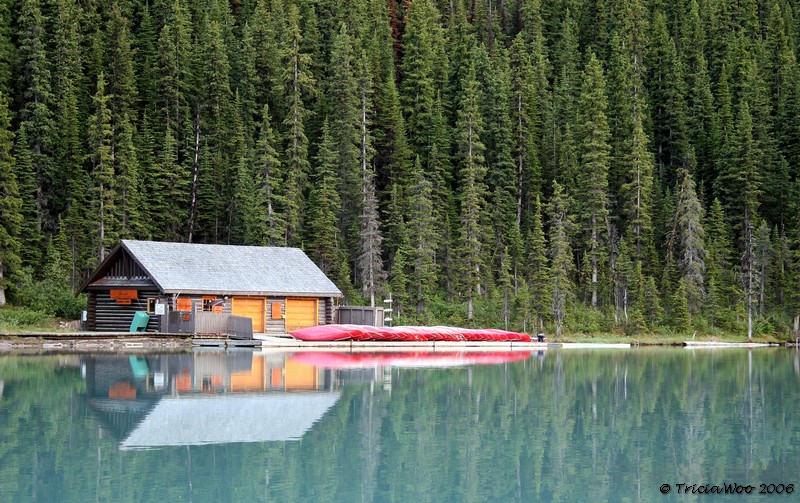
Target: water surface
point(557, 425)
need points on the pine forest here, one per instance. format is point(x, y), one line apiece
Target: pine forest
point(559, 165)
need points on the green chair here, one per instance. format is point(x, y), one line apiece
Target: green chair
point(139, 323)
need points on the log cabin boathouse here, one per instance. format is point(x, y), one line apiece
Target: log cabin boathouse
point(279, 288)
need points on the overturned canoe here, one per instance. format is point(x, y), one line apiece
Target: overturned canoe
point(413, 334)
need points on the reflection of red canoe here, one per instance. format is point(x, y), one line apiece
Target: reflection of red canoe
point(367, 333)
point(405, 359)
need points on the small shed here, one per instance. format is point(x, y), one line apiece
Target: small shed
point(279, 288)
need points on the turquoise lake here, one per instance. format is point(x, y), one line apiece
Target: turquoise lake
point(561, 425)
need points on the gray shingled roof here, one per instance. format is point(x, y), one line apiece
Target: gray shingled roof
point(223, 419)
point(232, 270)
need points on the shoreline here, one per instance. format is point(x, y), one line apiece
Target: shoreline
point(126, 342)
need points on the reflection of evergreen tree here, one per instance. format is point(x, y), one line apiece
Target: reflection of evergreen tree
point(519, 431)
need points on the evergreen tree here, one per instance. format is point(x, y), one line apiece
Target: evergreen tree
point(249, 207)
point(270, 54)
point(249, 227)
point(621, 99)
point(344, 100)
point(421, 230)
point(246, 83)
point(624, 280)
point(502, 175)
point(691, 255)
point(174, 48)
point(171, 187)
point(175, 126)
point(370, 261)
point(35, 115)
point(70, 150)
point(537, 268)
point(100, 139)
point(793, 259)
point(271, 178)
point(669, 105)
point(10, 206)
point(699, 99)
point(651, 303)
point(8, 51)
point(721, 273)
point(31, 231)
point(69, 86)
point(636, 191)
point(679, 308)
point(525, 129)
point(473, 189)
point(739, 183)
point(212, 123)
point(297, 85)
point(123, 99)
point(560, 254)
point(418, 75)
point(393, 162)
point(592, 200)
point(324, 243)
point(398, 278)
point(763, 259)
point(563, 123)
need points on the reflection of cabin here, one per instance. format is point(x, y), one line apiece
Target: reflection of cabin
point(206, 397)
point(280, 289)
point(224, 419)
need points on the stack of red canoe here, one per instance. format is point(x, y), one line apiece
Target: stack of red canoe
point(321, 333)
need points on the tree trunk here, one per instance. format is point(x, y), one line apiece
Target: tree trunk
point(195, 176)
point(2, 288)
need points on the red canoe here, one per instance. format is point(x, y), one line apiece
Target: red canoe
point(324, 333)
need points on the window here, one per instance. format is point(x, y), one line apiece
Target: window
point(183, 304)
point(212, 303)
point(151, 305)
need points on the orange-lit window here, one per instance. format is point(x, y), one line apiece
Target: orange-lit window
point(184, 304)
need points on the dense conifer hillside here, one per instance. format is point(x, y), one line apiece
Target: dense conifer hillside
point(593, 164)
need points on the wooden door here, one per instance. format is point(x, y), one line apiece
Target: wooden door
point(250, 307)
point(301, 313)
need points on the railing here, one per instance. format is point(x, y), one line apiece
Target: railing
point(203, 322)
point(360, 315)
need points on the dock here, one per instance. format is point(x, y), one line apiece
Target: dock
point(164, 341)
point(718, 344)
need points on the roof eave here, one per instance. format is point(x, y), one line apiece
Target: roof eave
point(251, 294)
point(97, 272)
point(150, 275)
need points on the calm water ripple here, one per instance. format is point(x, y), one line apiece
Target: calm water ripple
point(555, 425)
